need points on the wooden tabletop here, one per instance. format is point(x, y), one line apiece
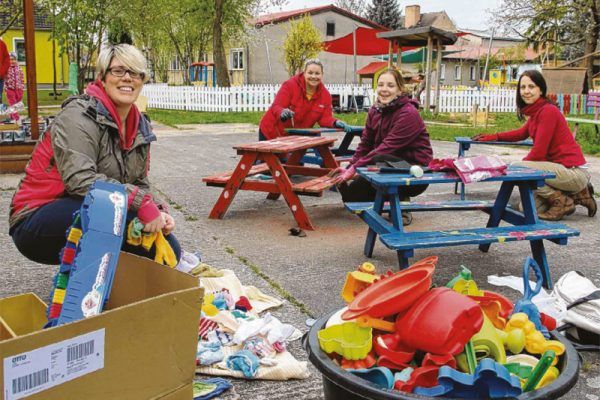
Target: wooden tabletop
point(285, 144)
point(513, 173)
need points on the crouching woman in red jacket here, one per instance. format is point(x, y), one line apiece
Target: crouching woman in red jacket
point(301, 102)
point(554, 150)
point(394, 131)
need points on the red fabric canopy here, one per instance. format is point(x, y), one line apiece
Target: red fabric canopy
point(367, 43)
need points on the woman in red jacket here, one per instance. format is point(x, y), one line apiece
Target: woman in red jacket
point(554, 150)
point(301, 102)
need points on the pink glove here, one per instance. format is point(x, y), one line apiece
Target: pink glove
point(345, 174)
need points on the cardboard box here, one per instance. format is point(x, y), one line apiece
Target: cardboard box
point(142, 347)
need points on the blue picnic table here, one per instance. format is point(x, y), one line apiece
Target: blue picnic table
point(341, 152)
point(464, 144)
point(525, 225)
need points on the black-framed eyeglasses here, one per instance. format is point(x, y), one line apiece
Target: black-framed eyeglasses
point(120, 72)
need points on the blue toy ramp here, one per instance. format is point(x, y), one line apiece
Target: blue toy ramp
point(103, 215)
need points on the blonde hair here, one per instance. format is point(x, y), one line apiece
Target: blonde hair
point(313, 61)
point(129, 55)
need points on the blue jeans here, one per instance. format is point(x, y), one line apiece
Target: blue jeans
point(42, 235)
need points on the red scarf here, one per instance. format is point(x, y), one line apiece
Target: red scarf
point(532, 109)
point(96, 89)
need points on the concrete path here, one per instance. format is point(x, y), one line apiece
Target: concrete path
point(308, 272)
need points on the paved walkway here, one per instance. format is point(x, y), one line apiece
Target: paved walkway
point(308, 272)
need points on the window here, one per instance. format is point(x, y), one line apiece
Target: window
point(443, 72)
point(19, 48)
point(330, 28)
point(237, 59)
point(472, 73)
point(457, 73)
point(481, 71)
point(175, 64)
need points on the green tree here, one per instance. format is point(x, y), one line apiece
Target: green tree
point(302, 42)
point(571, 27)
point(229, 24)
point(12, 8)
point(79, 26)
point(385, 12)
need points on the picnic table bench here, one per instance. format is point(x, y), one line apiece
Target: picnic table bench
point(342, 153)
point(464, 144)
point(279, 182)
point(527, 226)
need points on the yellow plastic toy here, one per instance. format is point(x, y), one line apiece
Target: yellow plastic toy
point(356, 281)
point(535, 342)
point(467, 287)
point(208, 308)
point(348, 340)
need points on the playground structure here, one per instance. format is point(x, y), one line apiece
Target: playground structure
point(199, 74)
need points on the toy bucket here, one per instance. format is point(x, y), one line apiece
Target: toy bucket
point(341, 385)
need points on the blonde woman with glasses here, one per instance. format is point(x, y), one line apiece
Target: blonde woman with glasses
point(99, 135)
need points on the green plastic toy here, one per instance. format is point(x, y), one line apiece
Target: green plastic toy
point(540, 369)
point(465, 273)
point(522, 371)
point(348, 340)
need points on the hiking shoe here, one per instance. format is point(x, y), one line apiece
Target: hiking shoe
point(560, 205)
point(586, 198)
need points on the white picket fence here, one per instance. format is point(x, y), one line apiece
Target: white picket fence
point(236, 98)
point(260, 97)
point(462, 99)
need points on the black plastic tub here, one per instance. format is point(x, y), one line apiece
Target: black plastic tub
point(341, 385)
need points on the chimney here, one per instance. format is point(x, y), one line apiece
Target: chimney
point(412, 15)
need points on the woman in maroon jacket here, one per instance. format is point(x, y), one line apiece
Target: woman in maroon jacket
point(301, 102)
point(554, 150)
point(394, 131)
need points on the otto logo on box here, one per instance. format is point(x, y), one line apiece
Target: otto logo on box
point(18, 360)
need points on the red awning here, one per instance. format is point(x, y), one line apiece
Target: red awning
point(371, 68)
point(367, 43)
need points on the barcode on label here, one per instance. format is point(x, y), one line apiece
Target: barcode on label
point(30, 381)
point(81, 350)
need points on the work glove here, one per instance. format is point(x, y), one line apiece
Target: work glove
point(342, 125)
point(342, 174)
point(286, 114)
point(485, 138)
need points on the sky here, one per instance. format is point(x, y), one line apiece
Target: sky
point(470, 14)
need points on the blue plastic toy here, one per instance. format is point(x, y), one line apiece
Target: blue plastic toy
point(380, 376)
point(102, 215)
point(525, 305)
point(490, 381)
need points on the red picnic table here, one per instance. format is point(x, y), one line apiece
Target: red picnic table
point(271, 152)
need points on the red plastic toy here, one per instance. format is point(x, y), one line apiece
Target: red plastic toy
point(393, 293)
point(422, 376)
point(392, 353)
point(441, 322)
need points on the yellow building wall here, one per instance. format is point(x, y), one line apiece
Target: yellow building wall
point(43, 57)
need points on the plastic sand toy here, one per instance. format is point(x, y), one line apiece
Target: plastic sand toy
point(348, 340)
point(392, 293)
point(441, 322)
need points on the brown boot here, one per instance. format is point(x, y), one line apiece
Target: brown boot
point(586, 198)
point(560, 205)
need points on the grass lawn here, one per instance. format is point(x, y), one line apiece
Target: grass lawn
point(586, 136)
point(45, 97)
